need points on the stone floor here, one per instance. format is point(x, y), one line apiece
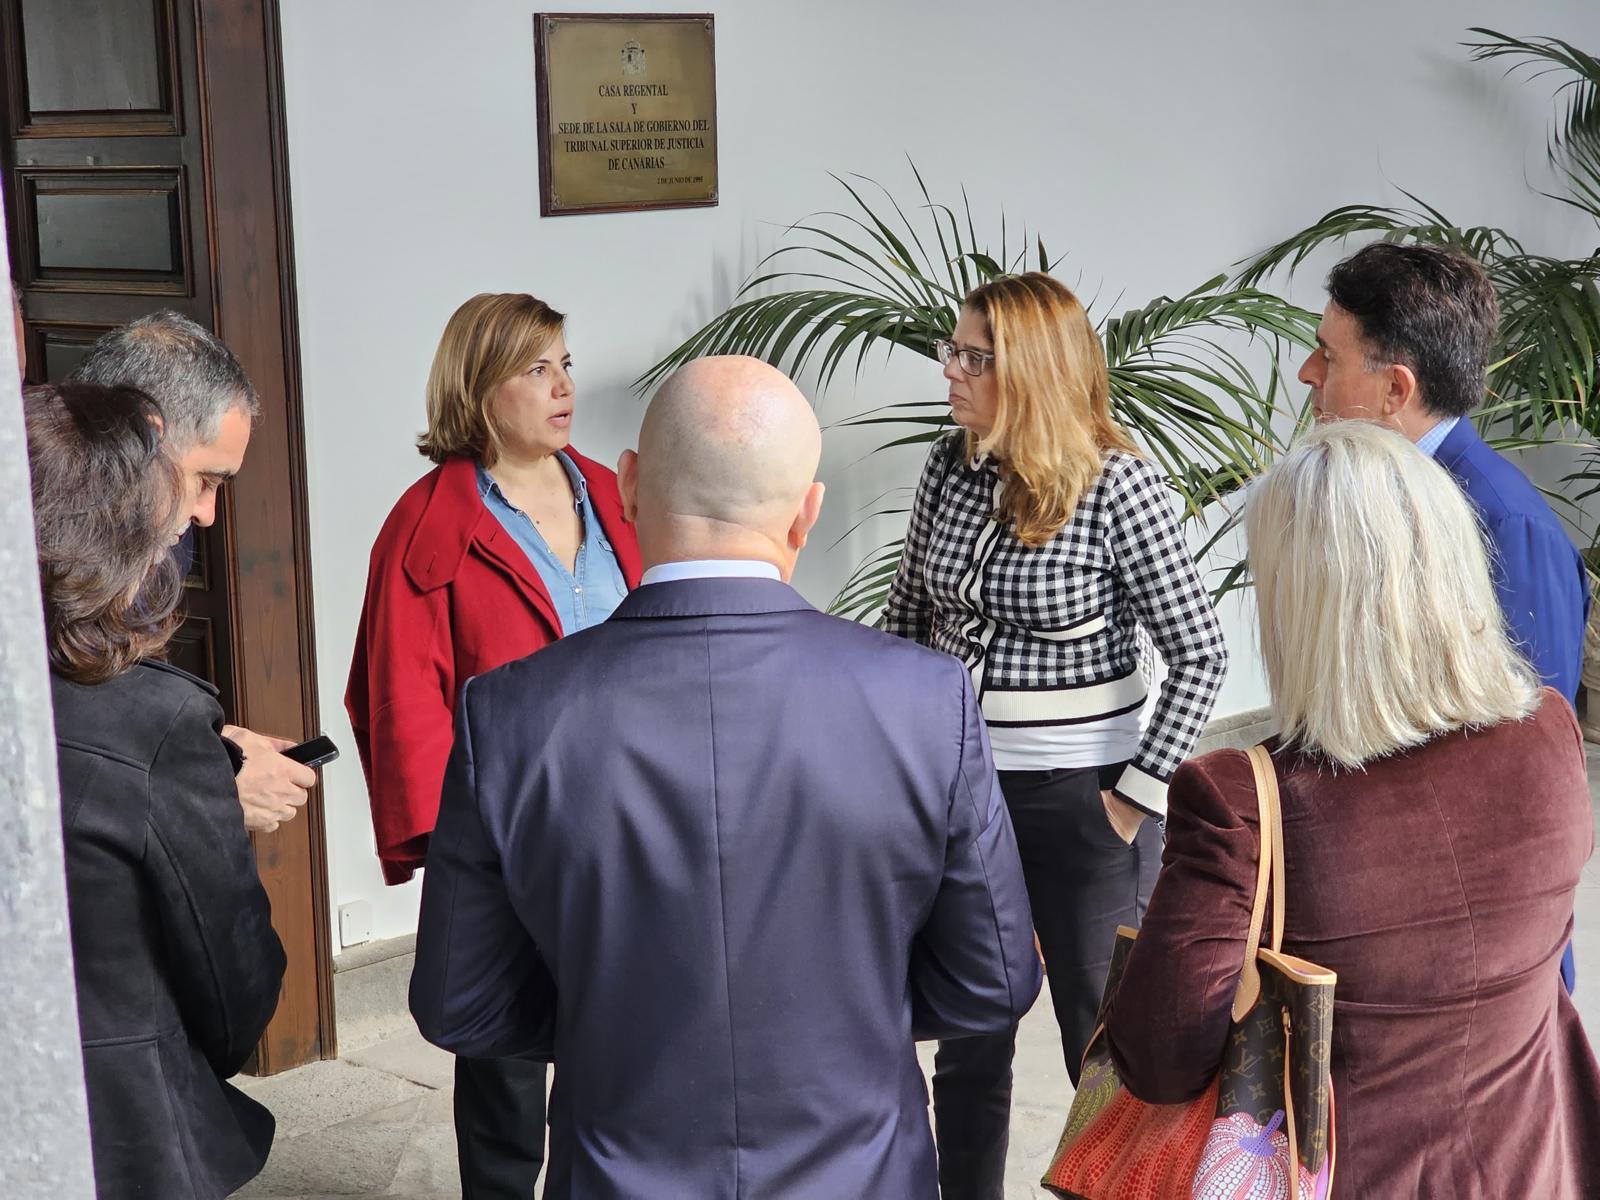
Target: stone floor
point(376, 1123)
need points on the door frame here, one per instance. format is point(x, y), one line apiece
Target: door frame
point(240, 72)
point(246, 293)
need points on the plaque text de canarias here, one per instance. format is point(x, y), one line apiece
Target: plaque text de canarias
point(627, 111)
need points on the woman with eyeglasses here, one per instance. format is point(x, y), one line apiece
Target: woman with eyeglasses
point(1039, 542)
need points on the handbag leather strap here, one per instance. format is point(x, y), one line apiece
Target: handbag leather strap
point(1269, 879)
point(1288, 1111)
point(1267, 790)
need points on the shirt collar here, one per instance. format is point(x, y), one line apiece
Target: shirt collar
point(710, 568)
point(487, 485)
point(1430, 442)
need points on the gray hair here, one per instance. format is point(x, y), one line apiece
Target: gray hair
point(1380, 627)
point(185, 367)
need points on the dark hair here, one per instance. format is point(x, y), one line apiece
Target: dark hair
point(1428, 308)
point(184, 366)
point(106, 499)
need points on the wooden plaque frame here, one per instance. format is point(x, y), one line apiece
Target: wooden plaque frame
point(683, 194)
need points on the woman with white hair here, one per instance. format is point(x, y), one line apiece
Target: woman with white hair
point(1436, 817)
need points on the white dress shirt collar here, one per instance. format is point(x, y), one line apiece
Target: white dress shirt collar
point(1430, 442)
point(710, 568)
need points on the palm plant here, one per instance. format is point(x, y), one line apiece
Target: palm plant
point(1196, 379)
point(1542, 387)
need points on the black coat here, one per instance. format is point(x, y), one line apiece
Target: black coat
point(178, 967)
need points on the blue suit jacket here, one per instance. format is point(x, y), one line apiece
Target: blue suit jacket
point(1538, 573)
point(723, 858)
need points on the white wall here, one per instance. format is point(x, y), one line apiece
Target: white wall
point(1158, 143)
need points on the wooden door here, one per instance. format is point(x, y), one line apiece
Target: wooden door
point(106, 195)
point(144, 169)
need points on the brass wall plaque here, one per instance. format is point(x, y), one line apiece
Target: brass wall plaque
point(627, 111)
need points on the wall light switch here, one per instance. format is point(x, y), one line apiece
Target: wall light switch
point(355, 923)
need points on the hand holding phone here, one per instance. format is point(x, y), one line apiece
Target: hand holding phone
point(272, 787)
point(313, 753)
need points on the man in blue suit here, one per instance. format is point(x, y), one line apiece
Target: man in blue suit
point(723, 857)
point(1405, 340)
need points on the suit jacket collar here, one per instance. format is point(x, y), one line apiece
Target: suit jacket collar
point(455, 518)
point(1460, 443)
point(709, 598)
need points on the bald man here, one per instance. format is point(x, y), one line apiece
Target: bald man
point(723, 858)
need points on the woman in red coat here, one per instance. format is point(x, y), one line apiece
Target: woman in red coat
point(1436, 817)
point(512, 541)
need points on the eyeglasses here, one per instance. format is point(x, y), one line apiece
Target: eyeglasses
point(973, 362)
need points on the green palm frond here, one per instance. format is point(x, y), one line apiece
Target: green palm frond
point(1199, 380)
point(1542, 386)
point(1191, 400)
point(1587, 475)
point(896, 283)
point(1196, 379)
point(1336, 226)
point(1574, 146)
point(863, 594)
point(1549, 345)
point(1424, 224)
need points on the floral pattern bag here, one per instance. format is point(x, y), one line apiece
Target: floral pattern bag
point(1264, 1130)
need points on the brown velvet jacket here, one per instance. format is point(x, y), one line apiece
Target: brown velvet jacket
point(1439, 884)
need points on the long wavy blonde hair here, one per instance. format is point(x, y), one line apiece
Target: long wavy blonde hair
point(1053, 424)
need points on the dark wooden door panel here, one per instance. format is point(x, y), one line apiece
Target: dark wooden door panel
point(144, 168)
point(105, 172)
point(93, 66)
point(55, 348)
point(102, 229)
point(104, 189)
point(194, 648)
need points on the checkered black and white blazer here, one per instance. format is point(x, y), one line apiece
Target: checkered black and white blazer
point(1051, 633)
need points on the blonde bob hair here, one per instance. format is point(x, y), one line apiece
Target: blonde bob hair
point(1053, 422)
point(487, 340)
point(1380, 627)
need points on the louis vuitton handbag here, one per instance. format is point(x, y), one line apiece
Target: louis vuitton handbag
point(1264, 1129)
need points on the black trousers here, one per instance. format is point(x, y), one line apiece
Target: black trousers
point(499, 1111)
point(1083, 881)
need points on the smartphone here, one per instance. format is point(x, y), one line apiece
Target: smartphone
point(315, 752)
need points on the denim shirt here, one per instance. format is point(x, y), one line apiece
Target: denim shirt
point(585, 595)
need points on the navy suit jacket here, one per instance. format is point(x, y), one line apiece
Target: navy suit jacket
point(723, 858)
point(1538, 573)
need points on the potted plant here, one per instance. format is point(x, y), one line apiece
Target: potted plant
point(1542, 386)
point(1198, 379)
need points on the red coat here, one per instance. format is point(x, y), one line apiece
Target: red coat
point(450, 595)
